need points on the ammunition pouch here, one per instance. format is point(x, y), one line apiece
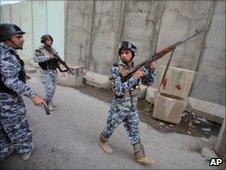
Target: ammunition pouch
point(51, 64)
point(127, 94)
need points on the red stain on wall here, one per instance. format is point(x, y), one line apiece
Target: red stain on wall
point(178, 87)
point(164, 82)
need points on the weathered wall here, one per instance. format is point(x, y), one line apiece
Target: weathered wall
point(88, 33)
point(96, 27)
point(78, 31)
point(180, 19)
point(141, 25)
point(37, 18)
point(210, 79)
point(104, 30)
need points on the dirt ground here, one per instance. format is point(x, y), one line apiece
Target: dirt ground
point(190, 123)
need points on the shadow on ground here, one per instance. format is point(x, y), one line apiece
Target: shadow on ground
point(190, 124)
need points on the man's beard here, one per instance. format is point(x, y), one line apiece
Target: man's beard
point(20, 47)
point(125, 62)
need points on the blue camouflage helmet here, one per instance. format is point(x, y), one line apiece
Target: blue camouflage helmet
point(46, 36)
point(125, 45)
point(8, 30)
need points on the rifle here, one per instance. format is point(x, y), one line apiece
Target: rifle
point(68, 69)
point(126, 75)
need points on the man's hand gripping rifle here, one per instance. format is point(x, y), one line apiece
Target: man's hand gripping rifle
point(126, 75)
point(67, 69)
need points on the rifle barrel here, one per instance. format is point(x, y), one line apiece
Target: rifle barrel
point(160, 54)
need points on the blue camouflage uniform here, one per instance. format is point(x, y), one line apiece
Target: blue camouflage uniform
point(14, 129)
point(123, 108)
point(49, 76)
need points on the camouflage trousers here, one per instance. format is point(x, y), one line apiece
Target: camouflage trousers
point(14, 129)
point(49, 81)
point(121, 112)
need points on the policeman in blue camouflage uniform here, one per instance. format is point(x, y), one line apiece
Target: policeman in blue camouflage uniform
point(49, 65)
point(15, 134)
point(124, 105)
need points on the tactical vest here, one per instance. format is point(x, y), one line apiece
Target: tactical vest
point(51, 64)
point(136, 88)
point(21, 76)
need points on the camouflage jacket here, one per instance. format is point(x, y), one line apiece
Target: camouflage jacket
point(9, 68)
point(120, 88)
point(41, 55)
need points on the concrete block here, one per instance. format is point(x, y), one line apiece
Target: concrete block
point(29, 69)
point(97, 80)
point(150, 94)
point(220, 145)
point(208, 153)
point(72, 80)
point(168, 109)
point(210, 111)
point(177, 81)
point(32, 63)
point(212, 140)
point(143, 90)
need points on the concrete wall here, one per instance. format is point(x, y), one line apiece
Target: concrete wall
point(88, 33)
point(210, 79)
point(142, 21)
point(37, 18)
point(94, 29)
point(78, 31)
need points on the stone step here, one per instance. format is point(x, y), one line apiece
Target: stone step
point(210, 111)
point(72, 80)
point(177, 81)
point(168, 109)
point(97, 80)
point(143, 91)
point(220, 145)
point(102, 81)
point(150, 94)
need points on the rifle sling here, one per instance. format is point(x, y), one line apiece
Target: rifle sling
point(164, 75)
point(131, 98)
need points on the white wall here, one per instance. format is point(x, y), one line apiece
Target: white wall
point(37, 18)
